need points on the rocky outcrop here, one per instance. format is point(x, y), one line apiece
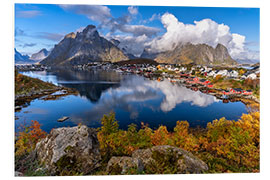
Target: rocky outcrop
point(158, 160)
point(84, 47)
point(69, 149)
point(191, 53)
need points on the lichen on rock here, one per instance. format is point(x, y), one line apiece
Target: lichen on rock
point(167, 159)
point(70, 150)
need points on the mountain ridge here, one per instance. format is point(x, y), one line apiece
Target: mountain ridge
point(191, 53)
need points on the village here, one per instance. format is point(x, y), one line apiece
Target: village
point(195, 77)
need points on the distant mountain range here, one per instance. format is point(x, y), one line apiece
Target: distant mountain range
point(21, 59)
point(25, 59)
point(89, 46)
point(247, 61)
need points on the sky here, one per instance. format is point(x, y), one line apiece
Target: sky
point(157, 28)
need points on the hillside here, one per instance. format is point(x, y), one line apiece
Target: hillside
point(137, 61)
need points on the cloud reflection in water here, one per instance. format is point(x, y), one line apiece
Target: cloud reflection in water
point(138, 92)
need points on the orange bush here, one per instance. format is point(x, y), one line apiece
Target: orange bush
point(28, 138)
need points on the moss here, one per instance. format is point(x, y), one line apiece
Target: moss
point(115, 170)
point(68, 148)
point(65, 162)
point(164, 163)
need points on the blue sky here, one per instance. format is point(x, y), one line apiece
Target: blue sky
point(40, 26)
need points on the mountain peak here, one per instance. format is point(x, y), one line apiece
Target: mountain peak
point(90, 31)
point(70, 35)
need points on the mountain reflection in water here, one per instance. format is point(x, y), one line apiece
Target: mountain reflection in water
point(134, 99)
point(137, 92)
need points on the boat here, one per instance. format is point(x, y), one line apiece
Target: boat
point(63, 119)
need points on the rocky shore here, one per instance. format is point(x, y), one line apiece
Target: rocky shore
point(45, 94)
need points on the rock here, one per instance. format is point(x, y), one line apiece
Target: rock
point(121, 165)
point(17, 173)
point(17, 108)
point(69, 150)
point(169, 160)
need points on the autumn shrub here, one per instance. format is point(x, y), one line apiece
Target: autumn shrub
point(237, 142)
point(114, 141)
point(161, 136)
point(225, 145)
point(25, 144)
point(182, 138)
point(27, 139)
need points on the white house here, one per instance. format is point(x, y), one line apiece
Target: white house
point(252, 76)
point(233, 74)
point(222, 73)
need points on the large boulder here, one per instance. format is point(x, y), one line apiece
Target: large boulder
point(70, 150)
point(169, 160)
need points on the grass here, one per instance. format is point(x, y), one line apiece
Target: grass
point(25, 84)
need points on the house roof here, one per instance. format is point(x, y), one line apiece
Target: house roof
point(237, 89)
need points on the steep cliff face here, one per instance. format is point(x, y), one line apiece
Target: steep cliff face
point(84, 47)
point(190, 53)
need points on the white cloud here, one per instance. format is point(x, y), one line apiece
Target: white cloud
point(93, 12)
point(132, 44)
point(205, 31)
point(133, 10)
point(138, 30)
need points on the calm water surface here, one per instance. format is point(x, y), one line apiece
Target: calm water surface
point(133, 98)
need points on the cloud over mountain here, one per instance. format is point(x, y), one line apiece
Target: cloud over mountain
point(205, 31)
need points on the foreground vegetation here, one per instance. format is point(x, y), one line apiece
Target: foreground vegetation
point(225, 145)
point(25, 84)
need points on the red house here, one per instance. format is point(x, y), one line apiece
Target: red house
point(204, 82)
point(236, 90)
point(225, 92)
point(209, 85)
point(193, 80)
point(184, 75)
point(247, 92)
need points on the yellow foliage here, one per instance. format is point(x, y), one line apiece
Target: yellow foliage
point(227, 146)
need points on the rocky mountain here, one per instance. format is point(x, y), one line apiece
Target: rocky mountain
point(42, 54)
point(84, 47)
point(22, 59)
point(190, 53)
point(123, 49)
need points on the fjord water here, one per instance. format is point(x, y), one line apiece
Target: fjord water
point(133, 98)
